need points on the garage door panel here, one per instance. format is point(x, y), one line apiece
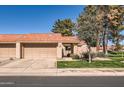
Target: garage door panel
point(7, 50)
point(43, 52)
point(27, 53)
point(37, 51)
point(51, 52)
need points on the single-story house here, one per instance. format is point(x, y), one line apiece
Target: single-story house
point(36, 46)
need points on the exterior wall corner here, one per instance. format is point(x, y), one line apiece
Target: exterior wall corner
point(75, 49)
point(18, 50)
point(59, 50)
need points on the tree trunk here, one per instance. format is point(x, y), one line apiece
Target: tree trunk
point(106, 30)
point(106, 42)
point(117, 44)
point(97, 42)
point(104, 49)
point(89, 54)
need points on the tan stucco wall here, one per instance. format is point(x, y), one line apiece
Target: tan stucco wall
point(59, 50)
point(18, 50)
point(75, 49)
point(82, 49)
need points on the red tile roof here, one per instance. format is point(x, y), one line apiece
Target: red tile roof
point(9, 37)
point(51, 37)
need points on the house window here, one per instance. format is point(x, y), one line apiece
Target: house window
point(67, 48)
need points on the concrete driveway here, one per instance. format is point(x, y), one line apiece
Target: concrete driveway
point(27, 65)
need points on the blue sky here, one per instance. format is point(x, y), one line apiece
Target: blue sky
point(34, 19)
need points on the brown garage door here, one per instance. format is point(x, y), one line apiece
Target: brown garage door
point(7, 50)
point(37, 51)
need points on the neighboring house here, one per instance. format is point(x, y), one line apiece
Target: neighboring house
point(36, 46)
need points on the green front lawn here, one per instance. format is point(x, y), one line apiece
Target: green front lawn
point(117, 59)
point(114, 63)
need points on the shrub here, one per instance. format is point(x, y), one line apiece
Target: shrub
point(118, 47)
point(75, 56)
point(68, 55)
point(115, 53)
point(100, 54)
point(112, 52)
point(85, 56)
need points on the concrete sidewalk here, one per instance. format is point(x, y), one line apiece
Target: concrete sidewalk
point(63, 72)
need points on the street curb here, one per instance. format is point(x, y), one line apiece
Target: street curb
point(70, 72)
point(65, 74)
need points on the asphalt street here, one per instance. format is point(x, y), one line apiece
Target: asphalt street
point(61, 81)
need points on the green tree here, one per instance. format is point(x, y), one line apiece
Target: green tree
point(112, 18)
point(99, 13)
point(86, 28)
point(101, 33)
point(116, 19)
point(65, 27)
